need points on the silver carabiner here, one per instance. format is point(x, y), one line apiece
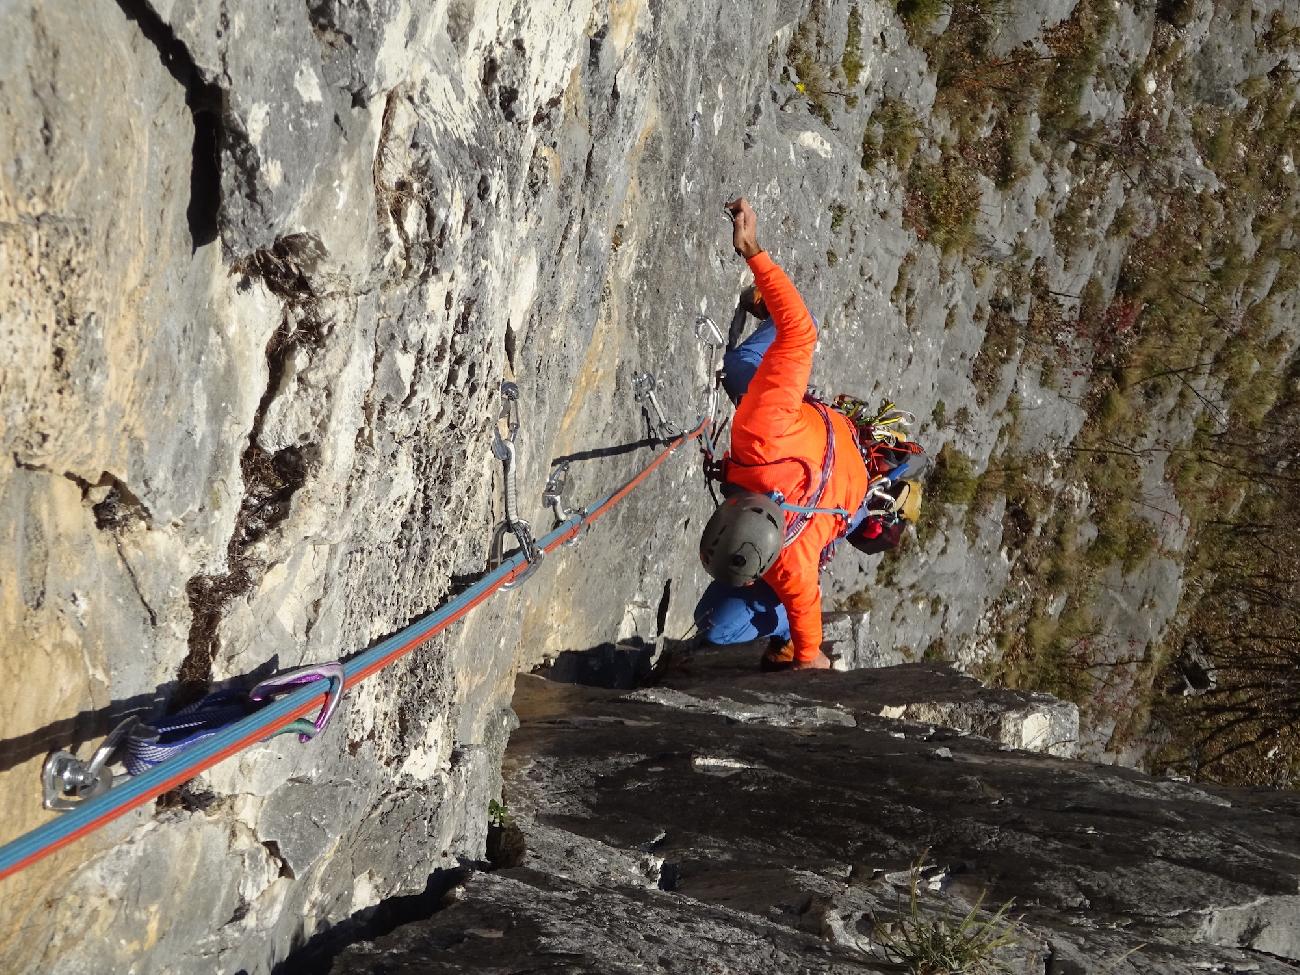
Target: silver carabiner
point(710, 336)
point(504, 449)
point(707, 331)
point(879, 490)
point(553, 497)
point(67, 781)
point(643, 388)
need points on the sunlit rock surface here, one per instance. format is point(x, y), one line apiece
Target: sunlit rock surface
point(264, 267)
point(748, 822)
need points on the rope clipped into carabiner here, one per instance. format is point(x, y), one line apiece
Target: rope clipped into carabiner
point(173, 750)
point(67, 782)
point(503, 447)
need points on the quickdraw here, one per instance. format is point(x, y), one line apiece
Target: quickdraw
point(643, 388)
point(554, 497)
point(67, 782)
point(93, 797)
point(504, 450)
point(151, 744)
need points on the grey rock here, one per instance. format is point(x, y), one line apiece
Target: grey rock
point(1036, 723)
point(265, 266)
point(853, 643)
point(814, 834)
point(1270, 925)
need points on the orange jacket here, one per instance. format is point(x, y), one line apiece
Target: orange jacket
point(778, 443)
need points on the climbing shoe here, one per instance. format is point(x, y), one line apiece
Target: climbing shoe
point(780, 656)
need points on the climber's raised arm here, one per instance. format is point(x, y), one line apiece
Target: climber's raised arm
point(770, 409)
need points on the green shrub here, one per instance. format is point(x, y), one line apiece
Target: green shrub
point(953, 479)
point(851, 64)
point(918, 15)
point(1138, 545)
point(893, 134)
point(945, 944)
point(943, 202)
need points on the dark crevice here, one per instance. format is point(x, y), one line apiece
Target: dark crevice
point(206, 102)
point(661, 614)
point(208, 596)
point(189, 798)
point(287, 268)
point(317, 954)
point(506, 99)
point(543, 112)
point(120, 507)
point(511, 347)
point(273, 851)
point(624, 665)
point(490, 70)
point(270, 479)
point(595, 43)
point(669, 876)
point(323, 17)
point(135, 584)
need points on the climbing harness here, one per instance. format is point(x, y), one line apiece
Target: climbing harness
point(504, 450)
point(643, 388)
point(108, 803)
point(804, 513)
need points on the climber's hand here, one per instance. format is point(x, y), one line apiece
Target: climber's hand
point(744, 227)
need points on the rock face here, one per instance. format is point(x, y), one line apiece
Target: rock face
point(734, 822)
point(264, 267)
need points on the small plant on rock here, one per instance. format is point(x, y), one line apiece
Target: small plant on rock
point(939, 945)
point(498, 814)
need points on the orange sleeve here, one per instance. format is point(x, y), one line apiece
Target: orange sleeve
point(794, 579)
point(769, 410)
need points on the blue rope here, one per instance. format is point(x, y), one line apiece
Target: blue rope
point(140, 788)
point(16, 851)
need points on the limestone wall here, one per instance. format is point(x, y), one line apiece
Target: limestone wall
point(265, 266)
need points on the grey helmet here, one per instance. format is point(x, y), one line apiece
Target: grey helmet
point(743, 538)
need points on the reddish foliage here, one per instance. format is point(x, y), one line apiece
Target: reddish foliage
point(1123, 314)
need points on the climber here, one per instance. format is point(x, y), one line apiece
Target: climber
point(763, 546)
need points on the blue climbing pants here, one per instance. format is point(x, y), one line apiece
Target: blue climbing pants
point(738, 614)
point(740, 364)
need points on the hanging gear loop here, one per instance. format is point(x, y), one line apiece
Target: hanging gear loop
point(504, 450)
